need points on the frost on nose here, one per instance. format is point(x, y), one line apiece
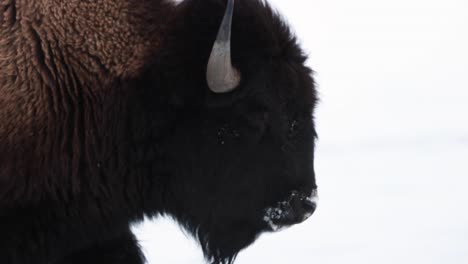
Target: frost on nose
point(275, 215)
point(296, 209)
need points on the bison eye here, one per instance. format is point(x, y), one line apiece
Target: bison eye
point(293, 128)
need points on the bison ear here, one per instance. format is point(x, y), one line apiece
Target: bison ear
point(221, 76)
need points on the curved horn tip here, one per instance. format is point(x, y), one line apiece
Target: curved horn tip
point(221, 76)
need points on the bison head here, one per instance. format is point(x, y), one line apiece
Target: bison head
point(241, 148)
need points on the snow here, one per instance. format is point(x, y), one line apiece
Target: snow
point(273, 214)
point(392, 159)
point(284, 210)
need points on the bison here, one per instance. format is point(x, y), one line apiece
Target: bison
point(113, 110)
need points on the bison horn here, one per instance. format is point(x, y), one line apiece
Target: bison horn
point(221, 76)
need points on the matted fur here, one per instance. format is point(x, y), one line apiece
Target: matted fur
point(105, 117)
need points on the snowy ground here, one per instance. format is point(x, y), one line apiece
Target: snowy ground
point(392, 160)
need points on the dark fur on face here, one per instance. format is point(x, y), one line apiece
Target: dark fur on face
point(235, 154)
point(102, 149)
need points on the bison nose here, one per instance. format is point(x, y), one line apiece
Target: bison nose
point(296, 209)
point(303, 206)
point(309, 206)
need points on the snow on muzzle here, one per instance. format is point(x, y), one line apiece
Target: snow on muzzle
point(296, 209)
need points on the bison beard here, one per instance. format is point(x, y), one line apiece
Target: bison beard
point(103, 125)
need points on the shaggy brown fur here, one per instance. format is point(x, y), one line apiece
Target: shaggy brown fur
point(56, 56)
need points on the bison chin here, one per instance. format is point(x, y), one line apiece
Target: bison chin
point(224, 232)
point(222, 244)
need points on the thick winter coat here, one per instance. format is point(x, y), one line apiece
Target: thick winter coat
point(106, 116)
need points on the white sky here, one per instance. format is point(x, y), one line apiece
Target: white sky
point(392, 160)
